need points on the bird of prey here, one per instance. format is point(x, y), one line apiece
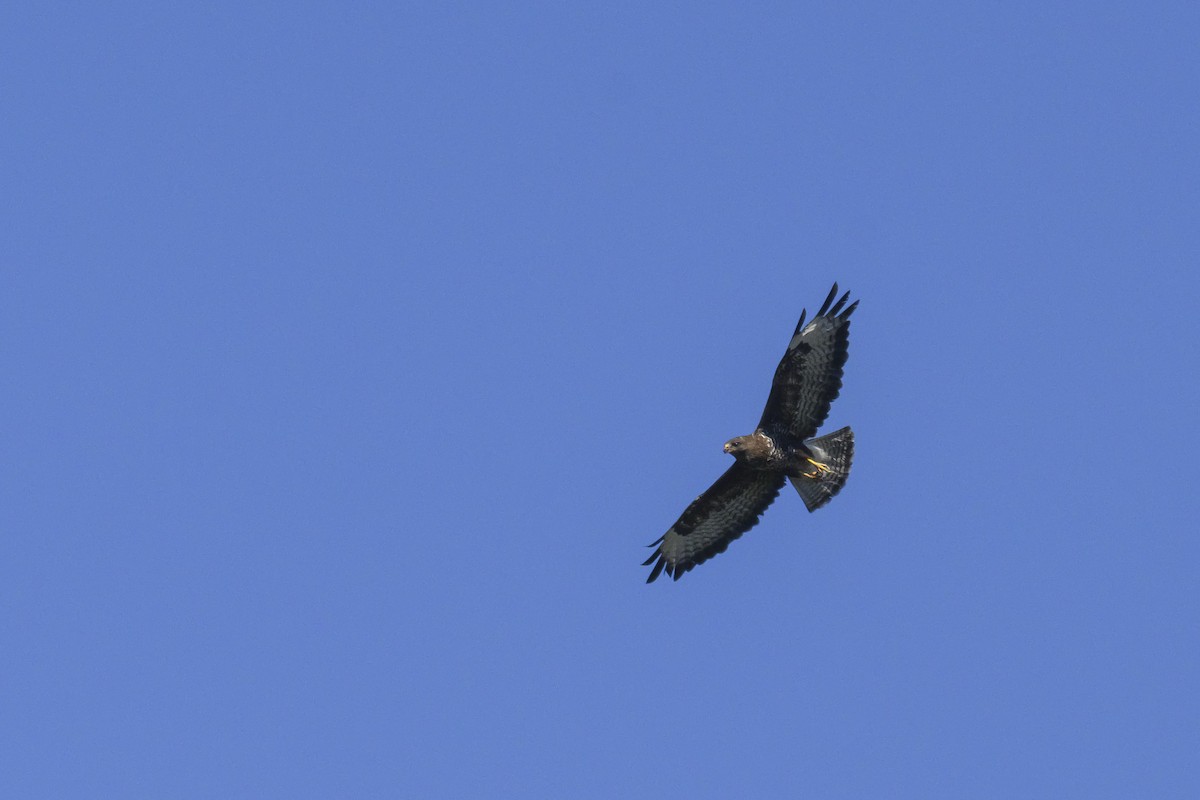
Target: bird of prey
point(779, 450)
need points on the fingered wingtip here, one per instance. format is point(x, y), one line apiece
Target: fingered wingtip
point(828, 301)
point(838, 305)
point(835, 309)
point(658, 568)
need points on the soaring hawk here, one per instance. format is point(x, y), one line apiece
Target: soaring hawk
point(779, 450)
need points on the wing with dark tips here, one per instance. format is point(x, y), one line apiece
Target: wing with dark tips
point(729, 508)
point(809, 376)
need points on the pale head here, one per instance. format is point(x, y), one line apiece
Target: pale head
point(754, 449)
point(737, 445)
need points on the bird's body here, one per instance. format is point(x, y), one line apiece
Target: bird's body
point(759, 451)
point(780, 449)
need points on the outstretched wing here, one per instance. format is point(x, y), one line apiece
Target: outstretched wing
point(808, 378)
point(729, 508)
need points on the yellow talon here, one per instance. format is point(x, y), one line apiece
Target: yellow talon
point(819, 468)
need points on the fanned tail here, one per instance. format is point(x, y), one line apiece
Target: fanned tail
point(836, 451)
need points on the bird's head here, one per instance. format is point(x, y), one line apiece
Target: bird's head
point(736, 446)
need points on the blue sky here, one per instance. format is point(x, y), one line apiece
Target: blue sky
point(353, 354)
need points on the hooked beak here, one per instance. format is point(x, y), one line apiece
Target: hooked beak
point(727, 447)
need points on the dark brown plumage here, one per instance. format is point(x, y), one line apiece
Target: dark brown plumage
point(779, 450)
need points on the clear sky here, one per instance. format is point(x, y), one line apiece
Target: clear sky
point(353, 352)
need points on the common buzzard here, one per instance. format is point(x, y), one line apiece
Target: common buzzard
point(780, 450)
